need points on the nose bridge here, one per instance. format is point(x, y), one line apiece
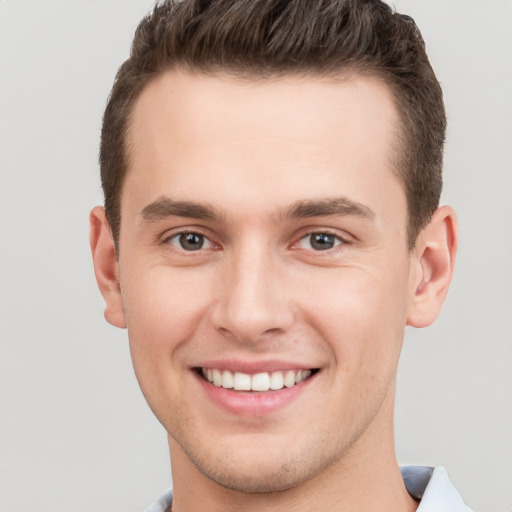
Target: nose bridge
point(253, 298)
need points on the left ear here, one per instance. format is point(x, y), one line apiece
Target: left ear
point(432, 267)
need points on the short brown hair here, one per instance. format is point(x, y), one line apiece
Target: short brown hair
point(271, 38)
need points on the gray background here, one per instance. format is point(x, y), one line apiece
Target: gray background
point(75, 433)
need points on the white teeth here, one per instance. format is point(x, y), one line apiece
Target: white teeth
point(276, 381)
point(302, 375)
point(242, 382)
point(262, 381)
point(227, 379)
point(289, 379)
point(217, 378)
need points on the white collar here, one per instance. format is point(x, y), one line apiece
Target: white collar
point(433, 487)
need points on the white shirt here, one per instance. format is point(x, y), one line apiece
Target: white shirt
point(433, 487)
point(430, 485)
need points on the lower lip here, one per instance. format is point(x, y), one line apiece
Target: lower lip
point(255, 403)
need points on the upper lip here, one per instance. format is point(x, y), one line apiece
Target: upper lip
point(251, 367)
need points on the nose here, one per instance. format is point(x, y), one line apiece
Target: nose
point(253, 301)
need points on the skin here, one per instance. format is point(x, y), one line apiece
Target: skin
point(246, 153)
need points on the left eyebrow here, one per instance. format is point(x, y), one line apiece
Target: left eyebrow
point(328, 207)
point(165, 207)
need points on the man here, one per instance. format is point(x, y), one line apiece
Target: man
point(272, 172)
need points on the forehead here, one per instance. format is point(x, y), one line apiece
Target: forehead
point(192, 132)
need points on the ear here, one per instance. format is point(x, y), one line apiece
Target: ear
point(432, 267)
point(106, 266)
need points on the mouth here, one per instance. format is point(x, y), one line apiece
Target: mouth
point(257, 382)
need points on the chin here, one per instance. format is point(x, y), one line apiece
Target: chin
point(260, 471)
point(254, 480)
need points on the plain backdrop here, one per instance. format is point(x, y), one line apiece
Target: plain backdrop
point(76, 434)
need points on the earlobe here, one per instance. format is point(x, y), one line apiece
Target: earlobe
point(433, 263)
point(106, 266)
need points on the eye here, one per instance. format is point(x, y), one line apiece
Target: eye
point(319, 241)
point(190, 241)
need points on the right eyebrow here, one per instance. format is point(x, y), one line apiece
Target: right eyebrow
point(165, 207)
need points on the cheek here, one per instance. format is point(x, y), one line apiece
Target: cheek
point(163, 310)
point(362, 315)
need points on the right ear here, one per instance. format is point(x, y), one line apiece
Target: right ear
point(106, 266)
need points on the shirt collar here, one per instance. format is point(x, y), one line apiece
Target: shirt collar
point(433, 487)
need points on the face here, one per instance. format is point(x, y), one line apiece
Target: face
point(264, 271)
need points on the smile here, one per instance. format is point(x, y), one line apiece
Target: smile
point(263, 381)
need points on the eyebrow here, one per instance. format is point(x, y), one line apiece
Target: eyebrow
point(165, 207)
point(327, 207)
